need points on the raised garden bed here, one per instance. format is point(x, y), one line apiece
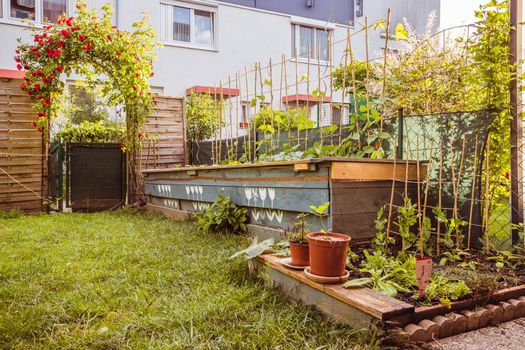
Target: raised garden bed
point(275, 193)
point(363, 306)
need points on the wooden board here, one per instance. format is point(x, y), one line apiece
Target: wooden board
point(364, 299)
point(368, 171)
point(355, 205)
point(21, 153)
point(173, 214)
point(166, 125)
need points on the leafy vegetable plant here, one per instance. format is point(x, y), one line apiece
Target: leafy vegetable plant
point(223, 216)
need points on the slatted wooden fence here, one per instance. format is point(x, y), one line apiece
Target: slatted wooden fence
point(22, 162)
point(166, 125)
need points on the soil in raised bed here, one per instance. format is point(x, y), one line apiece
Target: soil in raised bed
point(483, 281)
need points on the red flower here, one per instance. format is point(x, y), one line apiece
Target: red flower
point(65, 33)
point(19, 66)
point(46, 101)
point(36, 86)
point(17, 52)
point(86, 47)
point(139, 135)
point(40, 42)
point(37, 54)
point(59, 68)
point(61, 44)
point(134, 88)
point(152, 74)
point(41, 115)
point(22, 86)
point(51, 75)
point(50, 41)
point(57, 53)
point(69, 21)
point(110, 38)
point(17, 59)
point(82, 37)
point(40, 130)
point(34, 124)
point(26, 67)
point(118, 53)
point(507, 175)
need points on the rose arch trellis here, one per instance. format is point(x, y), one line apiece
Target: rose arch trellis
point(89, 45)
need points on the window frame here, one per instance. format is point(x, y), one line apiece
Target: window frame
point(166, 26)
point(296, 40)
point(5, 14)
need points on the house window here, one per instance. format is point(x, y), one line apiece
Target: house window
point(245, 115)
point(187, 24)
point(23, 9)
point(311, 39)
point(36, 10)
point(52, 9)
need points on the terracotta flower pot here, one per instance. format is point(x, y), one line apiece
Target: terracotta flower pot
point(328, 253)
point(300, 254)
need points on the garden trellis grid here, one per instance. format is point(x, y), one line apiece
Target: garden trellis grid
point(454, 143)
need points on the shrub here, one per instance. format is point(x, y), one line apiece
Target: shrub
point(91, 132)
point(223, 216)
point(202, 116)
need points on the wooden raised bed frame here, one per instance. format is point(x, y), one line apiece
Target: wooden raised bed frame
point(274, 193)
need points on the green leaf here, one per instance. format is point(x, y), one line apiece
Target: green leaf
point(401, 32)
point(358, 282)
point(380, 24)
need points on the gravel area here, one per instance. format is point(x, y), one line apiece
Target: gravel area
point(507, 336)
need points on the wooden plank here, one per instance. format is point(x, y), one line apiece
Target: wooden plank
point(174, 214)
point(367, 171)
point(324, 160)
point(365, 299)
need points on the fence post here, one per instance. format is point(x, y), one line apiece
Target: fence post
point(400, 132)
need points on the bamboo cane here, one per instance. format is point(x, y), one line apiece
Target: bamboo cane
point(248, 148)
point(440, 188)
point(392, 192)
point(472, 191)
point(383, 90)
point(427, 180)
point(487, 200)
point(344, 87)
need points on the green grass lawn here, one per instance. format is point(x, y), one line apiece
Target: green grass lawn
point(133, 281)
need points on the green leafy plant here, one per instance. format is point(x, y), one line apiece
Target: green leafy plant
point(443, 289)
point(202, 116)
point(388, 275)
point(452, 254)
point(381, 241)
point(321, 212)
point(297, 234)
point(222, 216)
point(507, 258)
point(92, 132)
point(406, 217)
point(255, 249)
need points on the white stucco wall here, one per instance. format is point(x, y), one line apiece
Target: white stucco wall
point(244, 36)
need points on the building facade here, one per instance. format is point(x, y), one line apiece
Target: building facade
point(208, 43)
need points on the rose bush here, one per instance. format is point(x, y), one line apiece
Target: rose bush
point(120, 61)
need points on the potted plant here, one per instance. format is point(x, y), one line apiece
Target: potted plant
point(299, 248)
point(327, 249)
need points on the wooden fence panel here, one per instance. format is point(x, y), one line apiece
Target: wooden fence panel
point(166, 125)
point(22, 160)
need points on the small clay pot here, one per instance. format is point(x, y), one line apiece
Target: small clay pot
point(300, 254)
point(328, 253)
